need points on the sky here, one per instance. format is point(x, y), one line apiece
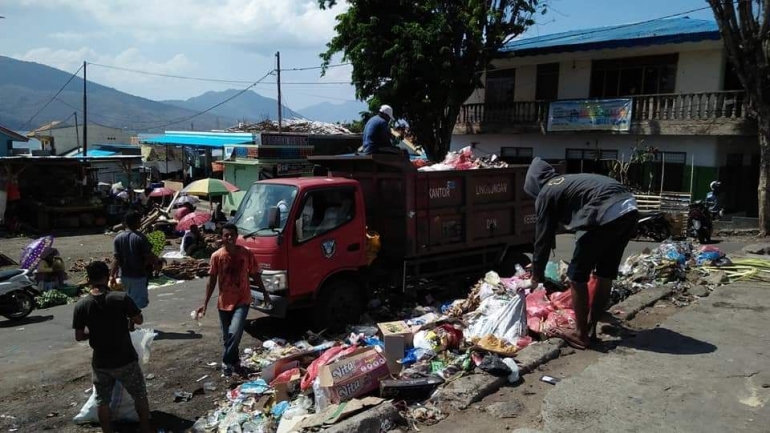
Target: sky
point(233, 40)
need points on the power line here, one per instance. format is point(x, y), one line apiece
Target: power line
point(310, 68)
point(204, 79)
point(180, 77)
point(27, 123)
point(186, 118)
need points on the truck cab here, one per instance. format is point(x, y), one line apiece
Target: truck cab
point(311, 253)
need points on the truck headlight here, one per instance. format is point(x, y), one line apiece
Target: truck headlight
point(274, 281)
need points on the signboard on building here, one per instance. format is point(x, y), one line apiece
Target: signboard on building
point(590, 115)
point(269, 139)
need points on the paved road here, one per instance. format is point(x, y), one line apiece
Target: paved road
point(704, 369)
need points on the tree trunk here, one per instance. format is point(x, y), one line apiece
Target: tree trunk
point(763, 189)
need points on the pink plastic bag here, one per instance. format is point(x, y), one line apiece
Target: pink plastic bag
point(558, 322)
point(562, 300)
point(538, 305)
point(325, 358)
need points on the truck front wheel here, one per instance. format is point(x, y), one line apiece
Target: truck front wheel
point(339, 304)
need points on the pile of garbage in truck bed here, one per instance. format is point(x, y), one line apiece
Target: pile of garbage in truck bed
point(310, 384)
point(464, 159)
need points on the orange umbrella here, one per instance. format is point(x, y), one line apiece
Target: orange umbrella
point(192, 219)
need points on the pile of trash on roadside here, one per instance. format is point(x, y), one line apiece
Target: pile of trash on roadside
point(293, 125)
point(186, 269)
point(464, 159)
point(310, 384)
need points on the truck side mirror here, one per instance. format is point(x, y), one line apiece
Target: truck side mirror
point(274, 217)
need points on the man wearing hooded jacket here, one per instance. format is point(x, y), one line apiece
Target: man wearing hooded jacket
point(603, 213)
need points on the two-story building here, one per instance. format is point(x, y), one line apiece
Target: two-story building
point(588, 97)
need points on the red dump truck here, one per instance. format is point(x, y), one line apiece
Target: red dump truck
point(309, 234)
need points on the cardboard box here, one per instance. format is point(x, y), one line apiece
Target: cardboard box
point(354, 375)
point(397, 337)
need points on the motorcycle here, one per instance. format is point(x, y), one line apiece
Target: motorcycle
point(699, 224)
point(653, 225)
point(17, 293)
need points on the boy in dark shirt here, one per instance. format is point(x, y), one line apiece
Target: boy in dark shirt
point(102, 319)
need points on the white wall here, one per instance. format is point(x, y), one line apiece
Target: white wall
point(700, 71)
point(66, 139)
point(554, 146)
point(574, 79)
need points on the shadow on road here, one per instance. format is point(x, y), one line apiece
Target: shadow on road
point(189, 335)
point(29, 320)
point(662, 340)
point(265, 328)
point(169, 422)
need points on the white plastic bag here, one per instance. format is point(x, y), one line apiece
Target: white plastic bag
point(507, 323)
point(122, 405)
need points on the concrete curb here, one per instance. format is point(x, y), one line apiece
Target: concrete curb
point(629, 308)
point(463, 392)
point(369, 421)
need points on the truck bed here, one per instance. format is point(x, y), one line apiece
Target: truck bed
point(422, 214)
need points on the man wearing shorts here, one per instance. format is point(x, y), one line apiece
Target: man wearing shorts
point(603, 212)
point(101, 318)
point(134, 259)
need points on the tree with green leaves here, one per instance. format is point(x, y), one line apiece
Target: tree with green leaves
point(425, 58)
point(745, 29)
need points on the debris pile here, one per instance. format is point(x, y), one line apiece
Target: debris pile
point(187, 269)
point(79, 265)
point(303, 126)
point(463, 159)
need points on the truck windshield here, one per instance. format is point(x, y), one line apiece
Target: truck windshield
point(251, 217)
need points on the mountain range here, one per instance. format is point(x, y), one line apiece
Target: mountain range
point(26, 87)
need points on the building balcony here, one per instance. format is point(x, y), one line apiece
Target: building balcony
point(705, 113)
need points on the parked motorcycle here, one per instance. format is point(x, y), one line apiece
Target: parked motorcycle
point(699, 224)
point(653, 225)
point(17, 293)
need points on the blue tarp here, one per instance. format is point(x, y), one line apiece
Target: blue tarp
point(95, 153)
point(657, 32)
point(217, 141)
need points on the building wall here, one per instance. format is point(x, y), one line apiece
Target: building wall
point(6, 146)
point(574, 79)
point(66, 139)
point(700, 71)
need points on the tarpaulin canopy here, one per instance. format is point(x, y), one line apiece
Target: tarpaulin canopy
point(200, 139)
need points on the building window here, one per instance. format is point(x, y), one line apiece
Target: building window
point(633, 76)
point(516, 155)
point(590, 161)
point(648, 175)
point(500, 87)
point(547, 84)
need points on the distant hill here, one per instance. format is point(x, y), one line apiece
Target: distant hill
point(250, 106)
point(26, 86)
point(333, 113)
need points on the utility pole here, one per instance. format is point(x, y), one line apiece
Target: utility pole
point(85, 113)
point(278, 80)
point(77, 133)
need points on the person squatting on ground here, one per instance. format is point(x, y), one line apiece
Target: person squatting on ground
point(100, 317)
point(231, 267)
point(603, 212)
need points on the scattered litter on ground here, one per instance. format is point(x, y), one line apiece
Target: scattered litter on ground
point(464, 159)
point(187, 269)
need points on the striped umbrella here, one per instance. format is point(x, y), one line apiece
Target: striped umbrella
point(209, 188)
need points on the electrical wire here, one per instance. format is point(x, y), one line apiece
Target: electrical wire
point(186, 118)
point(310, 68)
point(28, 122)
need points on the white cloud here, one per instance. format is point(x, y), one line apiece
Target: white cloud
point(254, 24)
point(132, 58)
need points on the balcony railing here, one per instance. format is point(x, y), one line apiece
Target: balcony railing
point(665, 107)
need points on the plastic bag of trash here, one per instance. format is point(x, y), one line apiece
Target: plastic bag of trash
point(508, 322)
point(538, 304)
point(558, 322)
point(122, 405)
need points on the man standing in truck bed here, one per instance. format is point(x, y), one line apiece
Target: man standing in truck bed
point(603, 212)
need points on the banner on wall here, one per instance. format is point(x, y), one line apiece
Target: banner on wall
point(590, 115)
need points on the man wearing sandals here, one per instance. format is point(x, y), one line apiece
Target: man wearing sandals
point(603, 212)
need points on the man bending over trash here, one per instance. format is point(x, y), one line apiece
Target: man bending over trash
point(603, 212)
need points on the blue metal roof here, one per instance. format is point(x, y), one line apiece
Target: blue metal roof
point(96, 153)
point(657, 32)
point(202, 140)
